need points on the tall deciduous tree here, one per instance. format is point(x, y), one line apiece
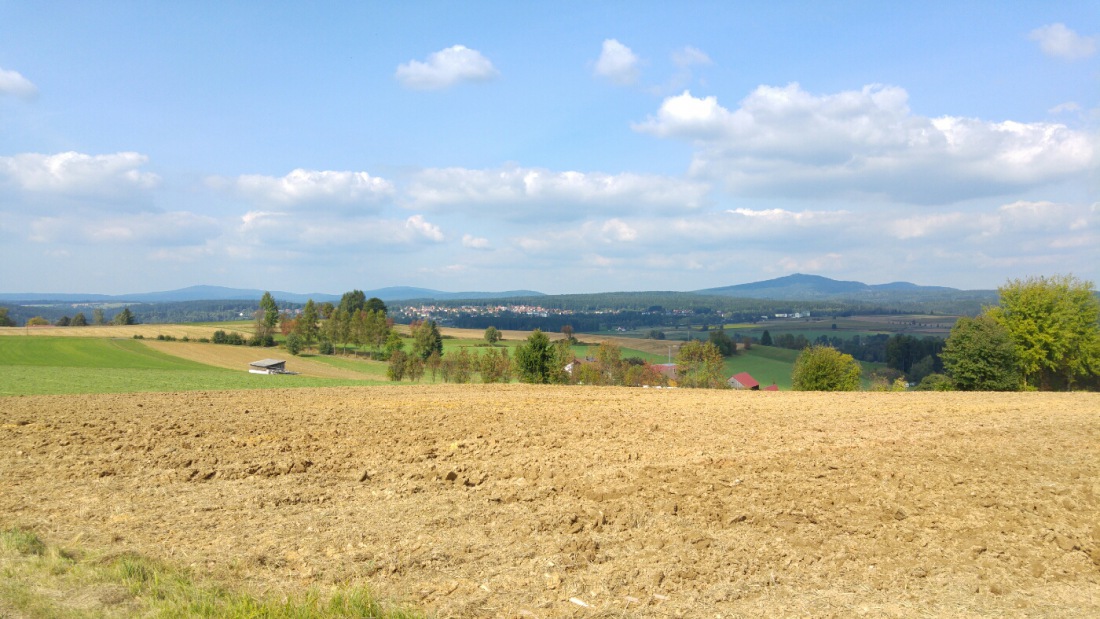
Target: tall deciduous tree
point(979, 356)
point(307, 327)
point(5, 320)
point(1055, 324)
point(79, 320)
point(534, 357)
point(352, 301)
point(268, 316)
point(699, 364)
point(98, 317)
point(426, 338)
point(374, 304)
point(824, 368)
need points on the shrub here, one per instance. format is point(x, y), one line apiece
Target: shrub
point(326, 348)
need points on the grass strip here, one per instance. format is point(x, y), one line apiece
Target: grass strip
point(40, 580)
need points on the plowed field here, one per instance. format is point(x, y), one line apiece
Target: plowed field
point(519, 501)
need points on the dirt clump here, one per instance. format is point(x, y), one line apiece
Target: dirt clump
point(525, 501)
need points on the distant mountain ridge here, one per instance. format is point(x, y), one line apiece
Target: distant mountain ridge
point(796, 287)
point(222, 293)
point(802, 287)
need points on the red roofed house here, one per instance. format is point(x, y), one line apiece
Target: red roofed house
point(743, 381)
point(772, 387)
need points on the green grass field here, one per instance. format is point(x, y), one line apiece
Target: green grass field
point(47, 365)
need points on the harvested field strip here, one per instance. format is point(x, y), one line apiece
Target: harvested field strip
point(518, 500)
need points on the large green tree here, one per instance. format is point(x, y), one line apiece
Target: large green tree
point(1055, 325)
point(5, 320)
point(80, 320)
point(824, 368)
point(426, 339)
point(699, 364)
point(980, 356)
point(534, 359)
point(267, 317)
point(352, 302)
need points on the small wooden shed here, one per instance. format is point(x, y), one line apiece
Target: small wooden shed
point(743, 381)
point(268, 366)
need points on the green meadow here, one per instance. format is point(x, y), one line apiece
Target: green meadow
point(60, 365)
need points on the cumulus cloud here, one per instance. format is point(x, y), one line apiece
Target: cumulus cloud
point(786, 141)
point(617, 63)
point(446, 68)
point(13, 83)
point(311, 188)
point(114, 178)
point(1058, 41)
point(539, 193)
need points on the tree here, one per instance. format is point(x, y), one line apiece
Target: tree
point(699, 364)
point(534, 357)
point(98, 317)
point(307, 327)
point(609, 364)
point(726, 346)
point(352, 301)
point(495, 366)
point(396, 370)
point(78, 321)
point(5, 320)
point(64, 321)
point(567, 331)
point(125, 317)
point(766, 338)
point(426, 338)
point(980, 356)
point(294, 343)
point(433, 363)
point(267, 317)
point(824, 368)
point(37, 321)
point(492, 335)
point(394, 344)
point(1055, 324)
point(374, 304)
point(326, 310)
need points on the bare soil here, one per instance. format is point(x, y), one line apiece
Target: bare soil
point(521, 501)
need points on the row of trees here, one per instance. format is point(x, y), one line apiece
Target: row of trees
point(125, 317)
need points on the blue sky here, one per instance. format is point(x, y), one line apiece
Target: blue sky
point(560, 147)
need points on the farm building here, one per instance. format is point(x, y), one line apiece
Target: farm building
point(268, 366)
point(743, 381)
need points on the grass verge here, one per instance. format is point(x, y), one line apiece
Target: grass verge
point(41, 580)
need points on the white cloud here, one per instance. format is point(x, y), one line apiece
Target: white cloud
point(1060, 42)
point(786, 141)
point(690, 56)
point(419, 226)
point(13, 83)
point(543, 194)
point(307, 232)
point(311, 187)
point(446, 68)
point(1069, 106)
point(172, 229)
point(617, 63)
point(474, 242)
point(115, 178)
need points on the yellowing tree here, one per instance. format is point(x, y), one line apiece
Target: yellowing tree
point(824, 368)
point(1055, 324)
